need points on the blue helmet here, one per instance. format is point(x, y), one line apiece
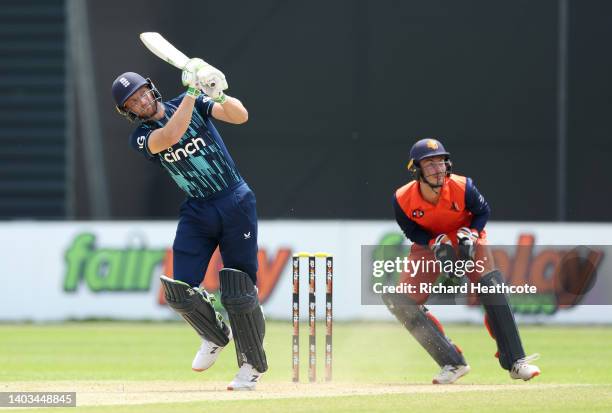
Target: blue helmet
point(426, 148)
point(124, 86)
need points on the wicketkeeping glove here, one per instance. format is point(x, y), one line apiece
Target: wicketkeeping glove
point(467, 239)
point(442, 248)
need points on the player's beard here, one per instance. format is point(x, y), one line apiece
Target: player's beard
point(435, 180)
point(149, 111)
point(152, 105)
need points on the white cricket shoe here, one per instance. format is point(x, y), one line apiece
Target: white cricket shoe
point(207, 355)
point(521, 369)
point(450, 374)
point(246, 379)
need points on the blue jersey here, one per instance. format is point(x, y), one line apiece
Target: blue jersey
point(199, 163)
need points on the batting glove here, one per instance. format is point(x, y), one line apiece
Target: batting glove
point(213, 83)
point(189, 75)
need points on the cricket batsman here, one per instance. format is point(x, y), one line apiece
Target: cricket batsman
point(219, 210)
point(444, 215)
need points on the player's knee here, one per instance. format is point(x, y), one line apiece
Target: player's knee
point(491, 278)
point(403, 307)
point(238, 292)
point(248, 267)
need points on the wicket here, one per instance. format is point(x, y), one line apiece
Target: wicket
point(312, 314)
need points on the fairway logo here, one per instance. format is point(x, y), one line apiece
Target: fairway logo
point(195, 144)
point(270, 270)
point(109, 269)
point(562, 275)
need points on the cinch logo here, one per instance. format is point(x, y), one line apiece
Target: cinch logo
point(181, 153)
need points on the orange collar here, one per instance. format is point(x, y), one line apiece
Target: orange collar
point(444, 193)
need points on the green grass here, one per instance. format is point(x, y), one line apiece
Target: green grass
point(363, 353)
point(580, 400)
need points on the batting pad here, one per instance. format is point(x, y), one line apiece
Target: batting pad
point(239, 297)
point(195, 307)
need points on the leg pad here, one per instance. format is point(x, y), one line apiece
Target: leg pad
point(239, 297)
point(195, 306)
point(425, 328)
point(500, 322)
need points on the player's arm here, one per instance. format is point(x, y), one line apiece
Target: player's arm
point(220, 106)
point(410, 228)
point(163, 138)
point(231, 111)
point(477, 205)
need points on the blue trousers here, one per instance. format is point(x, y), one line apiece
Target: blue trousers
point(229, 221)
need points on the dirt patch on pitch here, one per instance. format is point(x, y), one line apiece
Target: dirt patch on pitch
point(146, 392)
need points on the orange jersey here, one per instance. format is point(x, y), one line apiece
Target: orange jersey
point(459, 205)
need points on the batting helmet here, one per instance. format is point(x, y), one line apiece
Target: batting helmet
point(125, 86)
point(426, 148)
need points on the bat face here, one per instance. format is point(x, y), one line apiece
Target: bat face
point(163, 49)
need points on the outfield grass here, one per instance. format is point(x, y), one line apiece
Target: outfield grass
point(579, 358)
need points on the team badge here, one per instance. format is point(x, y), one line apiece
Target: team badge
point(431, 144)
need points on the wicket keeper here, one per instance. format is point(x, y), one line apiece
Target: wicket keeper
point(444, 215)
point(219, 210)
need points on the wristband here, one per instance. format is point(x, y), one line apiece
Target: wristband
point(193, 92)
point(221, 99)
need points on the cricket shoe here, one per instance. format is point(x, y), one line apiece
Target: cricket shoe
point(521, 369)
point(450, 374)
point(207, 355)
point(246, 379)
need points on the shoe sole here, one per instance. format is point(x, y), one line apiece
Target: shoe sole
point(535, 374)
point(467, 370)
point(240, 388)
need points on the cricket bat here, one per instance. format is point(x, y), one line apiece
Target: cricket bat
point(163, 49)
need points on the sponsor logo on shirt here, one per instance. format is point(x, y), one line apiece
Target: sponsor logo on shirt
point(173, 155)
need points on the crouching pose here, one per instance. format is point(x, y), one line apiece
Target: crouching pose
point(444, 215)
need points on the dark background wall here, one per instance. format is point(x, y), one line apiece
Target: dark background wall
point(338, 91)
